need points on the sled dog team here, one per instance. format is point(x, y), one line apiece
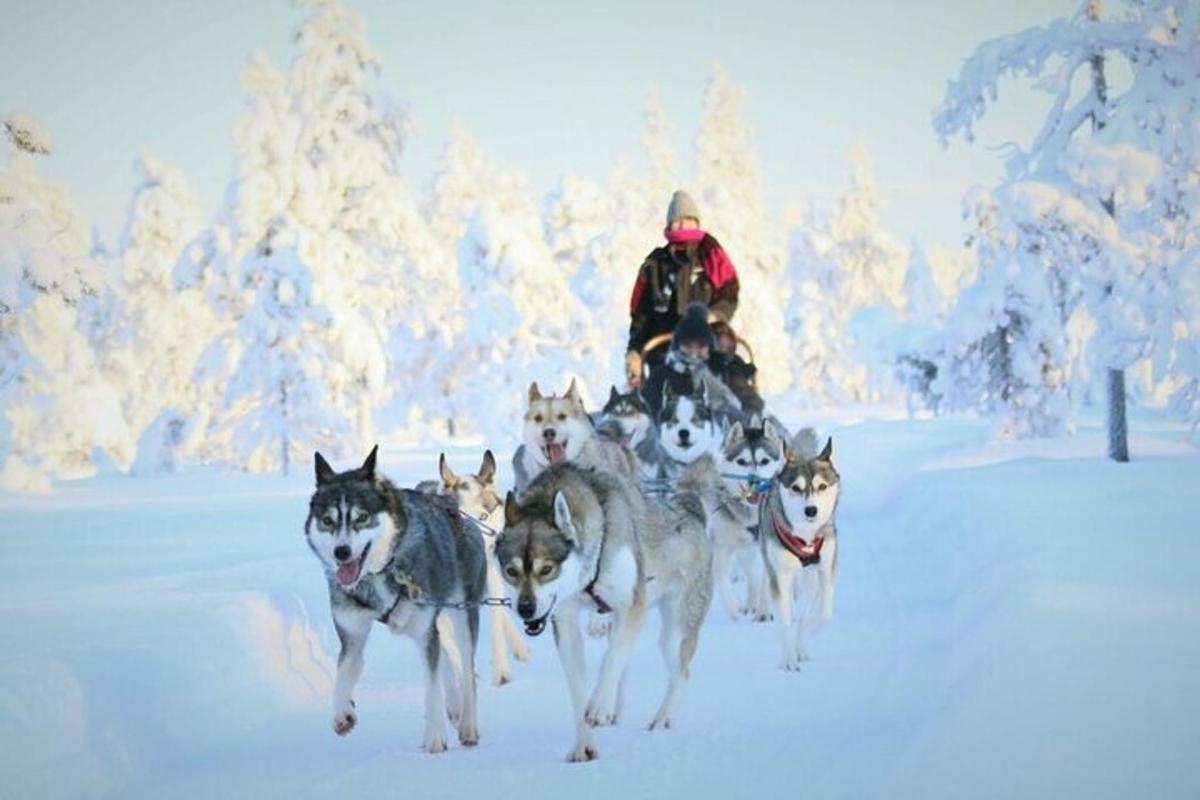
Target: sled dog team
point(613, 516)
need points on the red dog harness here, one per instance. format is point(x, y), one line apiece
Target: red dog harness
point(807, 553)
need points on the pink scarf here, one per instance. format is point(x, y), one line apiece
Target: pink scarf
point(717, 265)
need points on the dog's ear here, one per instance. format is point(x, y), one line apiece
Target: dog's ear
point(789, 453)
point(487, 469)
point(534, 392)
point(325, 472)
point(701, 393)
point(562, 516)
point(771, 431)
point(573, 394)
point(447, 475)
point(668, 392)
point(512, 511)
point(827, 454)
point(755, 423)
point(368, 467)
point(734, 433)
point(613, 395)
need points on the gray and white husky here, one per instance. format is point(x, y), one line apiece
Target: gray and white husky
point(687, 428)
point(583, 539)
point(394, 556)
point(799, 544)
point(748, 460)
point(559, 430)
point(630, 414)
point(477, 497)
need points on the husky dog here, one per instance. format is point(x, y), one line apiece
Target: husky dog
point(558, 429)
point(799, 544)
point(632, 415)
point(393, 556)
point(477, 498)
point(582, 539)
point(749, 458)
point(687, 428)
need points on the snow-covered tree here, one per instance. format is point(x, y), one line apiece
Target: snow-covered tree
point(1104, 197)
point(61, 409)
point(1002, 352)
point(158, 333)
point(729, 191)
point(277, 366)
point(848, 276)
point(317, 167)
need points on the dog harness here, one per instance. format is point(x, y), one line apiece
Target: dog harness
point(807, 553)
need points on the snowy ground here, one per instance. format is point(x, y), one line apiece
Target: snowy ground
point(1012, 621)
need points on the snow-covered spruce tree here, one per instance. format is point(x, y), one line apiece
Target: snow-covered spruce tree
point(914, 346)
point(61, 409)
point(1104, 196)
point(316, 166)
point(576, 215)
point(729, 192)
point(518, 310)
point(825, 367)
point(1002, 351)
point(155, 340)
point(848, 275)
point(278, 394)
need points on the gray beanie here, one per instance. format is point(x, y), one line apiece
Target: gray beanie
point(682, 206)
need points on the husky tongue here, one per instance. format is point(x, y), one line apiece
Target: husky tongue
point(556, 453)
point(347, 573)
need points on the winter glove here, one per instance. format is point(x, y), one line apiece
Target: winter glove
point(633, 369)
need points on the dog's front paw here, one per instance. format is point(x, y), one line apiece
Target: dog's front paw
point(601, 712)
point(434, 743)
point(468, 735)
point(789, 663)
point(582, 752)
point(344, 722)
point(520, 650)
point(763, 616)
point(660, 723)
point(501, 677)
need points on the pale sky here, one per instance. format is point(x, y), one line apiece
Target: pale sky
point(547, 87)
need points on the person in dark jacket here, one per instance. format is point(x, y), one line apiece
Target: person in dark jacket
point(691, 267)
point(692, 344)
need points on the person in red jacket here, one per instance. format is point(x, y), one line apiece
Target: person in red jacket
point(690, 267)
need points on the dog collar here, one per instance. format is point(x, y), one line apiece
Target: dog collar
point(807, 553)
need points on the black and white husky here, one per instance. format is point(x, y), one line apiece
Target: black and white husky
point(629, 413)
point(688, 428)
point(396, 557)
point(799, 544)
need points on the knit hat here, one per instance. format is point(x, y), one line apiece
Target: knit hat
point(682, 206)
point(694, 327)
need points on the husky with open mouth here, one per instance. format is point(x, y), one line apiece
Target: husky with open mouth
point(579, 540)
point(558, 430)
point(398, 557)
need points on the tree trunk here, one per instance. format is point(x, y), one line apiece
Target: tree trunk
point(1118, 443)
point(1118, 439)
point(285, 444)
